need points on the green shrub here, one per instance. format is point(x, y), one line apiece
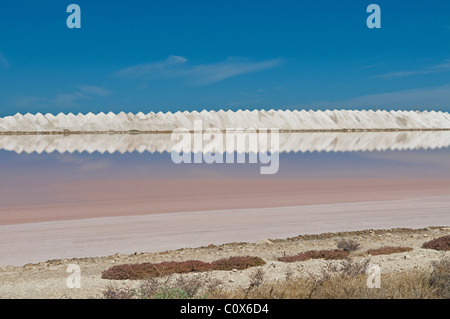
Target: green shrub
point(171, 293)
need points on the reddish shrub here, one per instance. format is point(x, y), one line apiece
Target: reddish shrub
point(239, 263)
point(316, 254)
point(441, 243)
point(291, 259)
point(148, 270)
point(171, 267)
point(329, 254)
point(388, 250)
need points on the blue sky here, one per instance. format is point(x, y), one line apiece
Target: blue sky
point(191, 55)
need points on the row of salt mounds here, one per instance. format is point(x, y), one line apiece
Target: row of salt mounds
point(288, 142)
point(284, 120)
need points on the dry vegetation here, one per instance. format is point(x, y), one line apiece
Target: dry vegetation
point(345, 279)
point(440, 278)
point(331, 265)
point(348, 245)
point(315, 254)
point(150, 270)
point(441, 243)
point(341, 277)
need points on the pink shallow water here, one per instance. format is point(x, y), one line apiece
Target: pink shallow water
point(94, 205)
point(35, 242)
point(126, 197)
point(157, 215)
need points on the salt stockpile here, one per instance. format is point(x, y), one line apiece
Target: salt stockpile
point(288, 142)
point(336, 120)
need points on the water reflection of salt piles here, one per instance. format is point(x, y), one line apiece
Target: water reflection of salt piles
point(288, 142)
point(314, 130)
point(284, 120)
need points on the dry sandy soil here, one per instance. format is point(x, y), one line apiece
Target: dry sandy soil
point(48, 279)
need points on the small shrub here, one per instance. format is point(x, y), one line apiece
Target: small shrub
point(173, 287)
point(348, 245)
point(316, 254)
point(441, 243)
point(171, 293)
point(349, 268)
point(256, 279)
point(388, 250)
point(329, 254)
point(121, 272)
point(148, 288)
point(440, 278)
point(113, 292)
point(291, 259)
point(180, 267)
point(150, 270)
point(239, 263)
point(190, 286)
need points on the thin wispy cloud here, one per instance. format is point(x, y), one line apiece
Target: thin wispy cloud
point(84, 92)
point(95, 90)
point(443, 67)
point(210, 73)
point(197, 74)
point(436, 97)
point(4, 63)
point(64, 100)
point(24, 102)
point(161, 68)
point(67, 99)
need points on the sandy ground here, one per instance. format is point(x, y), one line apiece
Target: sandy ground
point(49, 279)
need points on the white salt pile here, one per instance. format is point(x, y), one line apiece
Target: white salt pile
point(283, 120)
